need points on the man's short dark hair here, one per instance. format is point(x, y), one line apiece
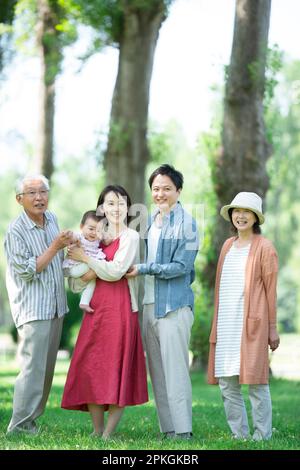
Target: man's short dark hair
point(90, 215)
point(169, 171)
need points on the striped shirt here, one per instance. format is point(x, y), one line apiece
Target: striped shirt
point(32, 295)
point(231, 312)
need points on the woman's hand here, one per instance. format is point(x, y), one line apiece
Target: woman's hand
point(89, 276)
point(132, 272)
point(273, 339)
point(76, 253)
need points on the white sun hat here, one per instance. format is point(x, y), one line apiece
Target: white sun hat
point(245, 200)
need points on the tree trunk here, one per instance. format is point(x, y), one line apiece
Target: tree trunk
point(50, 58)
point(127, 153)
point(241, 165)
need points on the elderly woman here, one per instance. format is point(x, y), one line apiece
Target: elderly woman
point(244, 322)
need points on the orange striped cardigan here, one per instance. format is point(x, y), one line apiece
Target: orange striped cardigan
point(259, 311)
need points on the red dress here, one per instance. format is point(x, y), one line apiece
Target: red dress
point(108, 363)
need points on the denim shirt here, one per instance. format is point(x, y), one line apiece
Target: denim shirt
point(174, 265)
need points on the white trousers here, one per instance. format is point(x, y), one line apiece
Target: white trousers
point(167, 346)
point(79, 270)
point(235, 410)
point(37, 351)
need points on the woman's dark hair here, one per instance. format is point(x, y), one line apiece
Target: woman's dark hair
point(256, 227)
point(169, 171)
point(119, 191)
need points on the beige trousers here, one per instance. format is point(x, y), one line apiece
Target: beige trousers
point(167, 347)
point(235, 410)
point(37, 351)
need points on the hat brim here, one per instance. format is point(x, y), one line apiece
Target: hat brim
point(224, 212)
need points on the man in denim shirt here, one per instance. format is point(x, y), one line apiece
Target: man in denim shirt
point(171, 247)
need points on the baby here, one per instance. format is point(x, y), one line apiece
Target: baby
point(91, 233)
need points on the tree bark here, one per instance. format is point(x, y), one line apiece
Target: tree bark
point(127, 153)
point(50, 59)
point(241, 165)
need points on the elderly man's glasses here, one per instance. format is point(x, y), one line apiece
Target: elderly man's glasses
point(33, 194)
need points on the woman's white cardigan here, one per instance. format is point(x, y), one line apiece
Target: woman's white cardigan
point(126, 255)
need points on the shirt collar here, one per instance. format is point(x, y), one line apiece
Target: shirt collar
point(175, 212)
point(29, 223)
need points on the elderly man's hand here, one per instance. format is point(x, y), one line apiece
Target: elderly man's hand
point(63, 239)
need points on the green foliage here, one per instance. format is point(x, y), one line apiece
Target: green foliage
point(7, 11)
point(7, 14)
point(71, 322)
point(14, 333)
point(273, 66)
point(160, 147)
point(287, 300)
point(253, 69)
point(274, 61)
point(62, 31)
point(9, 210)
point(105, 16)
point(209, 148)
point(121, 134)
point(282, 223)
point(199, 344)
point(75, 188)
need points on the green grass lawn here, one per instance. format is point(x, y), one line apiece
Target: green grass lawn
point(62, 429)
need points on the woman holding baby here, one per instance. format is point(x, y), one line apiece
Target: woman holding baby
point(107, 370)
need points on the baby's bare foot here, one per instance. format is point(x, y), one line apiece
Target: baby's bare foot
point(86, 308)
point(96, 434)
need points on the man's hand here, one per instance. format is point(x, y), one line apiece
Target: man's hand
point(63, 239)
point(274, 340)
point(132, 272)
point(60, 242)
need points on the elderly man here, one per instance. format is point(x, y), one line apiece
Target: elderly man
point(35, 285)
point(171, 247)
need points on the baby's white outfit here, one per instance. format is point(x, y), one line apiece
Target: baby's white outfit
point(77, 269)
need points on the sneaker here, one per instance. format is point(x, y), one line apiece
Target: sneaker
point(238, 437)
point(169, 434)
point(257, 436)
point(184, 435)
point(29, 428)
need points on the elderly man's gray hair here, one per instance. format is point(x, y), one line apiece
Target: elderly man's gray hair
point(30, 177)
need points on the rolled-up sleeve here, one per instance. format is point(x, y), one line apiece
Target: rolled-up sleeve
point(20, 259)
